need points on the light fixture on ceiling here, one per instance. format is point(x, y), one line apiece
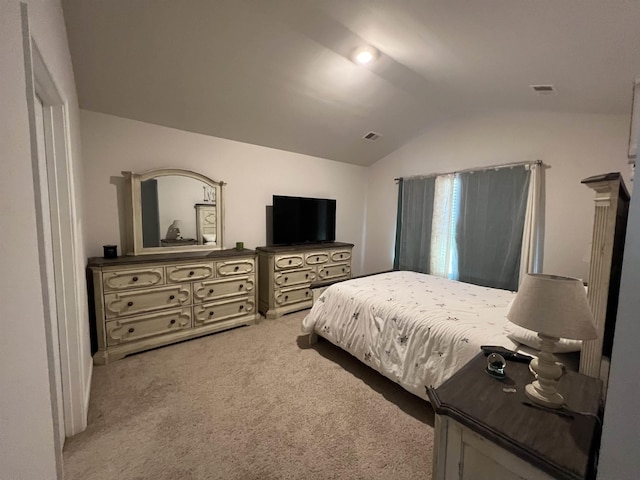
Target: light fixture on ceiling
point(364, 55)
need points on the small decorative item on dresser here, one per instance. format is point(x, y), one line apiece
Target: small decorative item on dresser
point(496, 365)
point(239, 245)
point(110, 251)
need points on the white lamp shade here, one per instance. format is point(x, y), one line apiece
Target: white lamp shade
point(554, 306)
point(177, 224)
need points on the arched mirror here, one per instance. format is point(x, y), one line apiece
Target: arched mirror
point(174, 210)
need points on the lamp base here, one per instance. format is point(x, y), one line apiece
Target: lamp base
point(537, 395)
point(547, 370)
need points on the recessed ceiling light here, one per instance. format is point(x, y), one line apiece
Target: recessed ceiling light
point(363, 55)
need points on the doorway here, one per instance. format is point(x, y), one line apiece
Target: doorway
point(47, 264)
point(60, 252)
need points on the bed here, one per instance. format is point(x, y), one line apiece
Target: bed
point(415, 329)
point(418, 329)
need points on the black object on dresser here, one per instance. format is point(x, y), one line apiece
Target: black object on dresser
point(486, 426)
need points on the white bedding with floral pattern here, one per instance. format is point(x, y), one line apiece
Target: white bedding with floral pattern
point(415, 329)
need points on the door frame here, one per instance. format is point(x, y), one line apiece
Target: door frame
point(68, 267)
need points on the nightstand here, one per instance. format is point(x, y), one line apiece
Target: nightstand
point(483, 431)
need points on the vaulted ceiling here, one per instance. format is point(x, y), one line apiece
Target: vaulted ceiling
point(278, 73)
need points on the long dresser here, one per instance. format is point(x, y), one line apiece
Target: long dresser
point(289, 273)
point(146, 301)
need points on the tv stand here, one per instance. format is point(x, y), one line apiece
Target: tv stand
point(287, 273)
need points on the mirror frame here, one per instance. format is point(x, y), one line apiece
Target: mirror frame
point(134, 211)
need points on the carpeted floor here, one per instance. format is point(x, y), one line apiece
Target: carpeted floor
point(250, 403)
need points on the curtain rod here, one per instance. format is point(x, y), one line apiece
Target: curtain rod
point(477, 169)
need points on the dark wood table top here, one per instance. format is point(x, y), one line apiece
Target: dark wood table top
point(169, 257)
point(563, 446)
point(303, 246)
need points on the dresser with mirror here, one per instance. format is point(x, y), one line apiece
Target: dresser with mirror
point(177, 280)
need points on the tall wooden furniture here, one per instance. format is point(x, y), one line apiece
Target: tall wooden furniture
point(609, 229)
point(288, 274)
point(206, 222)
point(142, 302)
point(484, 430)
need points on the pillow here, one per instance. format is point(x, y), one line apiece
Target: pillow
point(530, 339)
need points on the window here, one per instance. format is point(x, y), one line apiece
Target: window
point(470, 226)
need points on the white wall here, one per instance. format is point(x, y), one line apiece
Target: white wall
point(26, 425)
point(575, 146)
point(252, 173)
point(620, 449)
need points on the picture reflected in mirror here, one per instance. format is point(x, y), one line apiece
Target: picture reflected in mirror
point(177, 211)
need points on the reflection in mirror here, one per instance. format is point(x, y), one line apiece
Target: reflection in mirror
point(172, 212)
point(175, 209)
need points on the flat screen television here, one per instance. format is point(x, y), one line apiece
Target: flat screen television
point(298, 220)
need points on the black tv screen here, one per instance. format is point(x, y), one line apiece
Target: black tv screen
point(299, 220)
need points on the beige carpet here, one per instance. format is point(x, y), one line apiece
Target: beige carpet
point(250, 403)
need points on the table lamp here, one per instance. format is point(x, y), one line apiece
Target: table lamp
point(555, 307)
point(173, 233)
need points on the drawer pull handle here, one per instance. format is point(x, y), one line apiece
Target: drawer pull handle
point(236, 268)
point(135, 279)
point(131, 330)
point(191, 273)
point(286, 279)
point(343, 270)
point(290, 262)
point(317, 259)
point(286, 297)
point(171, 297)
point(211, 290)
point(241, 286)
point(241, 307)
point(173, 320)
point(306, 293)
point(306, 276)
point(211, 313)
point(129, 304)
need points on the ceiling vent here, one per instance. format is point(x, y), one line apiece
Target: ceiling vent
point(544, 89)
point(372, 136)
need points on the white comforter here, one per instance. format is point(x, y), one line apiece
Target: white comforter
point(415, 329)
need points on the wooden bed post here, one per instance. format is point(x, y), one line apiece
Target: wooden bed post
point(609, 228)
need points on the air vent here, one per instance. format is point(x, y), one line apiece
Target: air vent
point(544, 89)
point(372, 136)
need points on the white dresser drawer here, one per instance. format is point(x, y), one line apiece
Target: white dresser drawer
point(134, 278)
point(235, 267)
point(211, 290)
point(340, 255)
point(140, 301)
point(140, 327)
point(283, 262)
point(293, 295)
point(189, 272)
point(334, 271)
point(316, 258)
point(294, 277)
point(218, 311)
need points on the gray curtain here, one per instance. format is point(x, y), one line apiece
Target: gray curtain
point(490, 225)
point(413, 229)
